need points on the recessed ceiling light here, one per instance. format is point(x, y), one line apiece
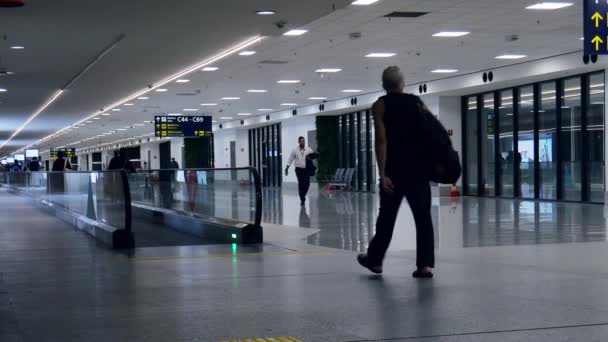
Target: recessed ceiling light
point(121, 129)
point(265, 110)
point(17, 47)
point(444, 71)
point(511, 56)
point(105, 114)
point(147, 121)
point(317, 98)
point(451, 34)
point(549, 5)
point(213, 121)
point(266, 12)
point(352, 91)
point(3, 90)
point(380, 55)
point(246, 53)
point(288, 81)
point(328, 70)
point(89, 121)
point(174, 114)
point(209, 69)
point(116, 110)
point(182, 81)
point(226, 118)
point(289, 104)
point(161, 90)
point(139, 124)
point(143, 98)
point(363, 2)
point(96, 118)
point(244, 114)
point(208, 104)
point(257, 91)
point(191, 110)
point(231, 98)
point(128, 104)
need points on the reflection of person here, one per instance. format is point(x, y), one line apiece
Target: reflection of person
point(174, 164)
point(56, 180)
point(192, 185)
point(399, 132)
point(298, 157)
point(120, 162)
point(304, 220)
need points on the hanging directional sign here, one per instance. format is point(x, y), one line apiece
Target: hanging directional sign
point(182, 126)
point(67, 152)
point(596, 27)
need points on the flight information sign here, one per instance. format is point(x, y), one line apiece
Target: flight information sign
point(596, 27)
point(67, 152)
point(182, 126)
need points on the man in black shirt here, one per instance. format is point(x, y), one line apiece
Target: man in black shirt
point(399, 127)
point(34, 165)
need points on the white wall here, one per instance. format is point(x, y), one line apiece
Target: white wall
point(290, 131)
point(449, 113)
point(221, 146)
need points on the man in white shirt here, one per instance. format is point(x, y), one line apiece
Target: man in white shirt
point(298, 157)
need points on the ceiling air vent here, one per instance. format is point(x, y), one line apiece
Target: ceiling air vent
point(270, 61)
point(401, 14)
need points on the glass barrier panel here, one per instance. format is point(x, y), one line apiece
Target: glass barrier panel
point(216, 193)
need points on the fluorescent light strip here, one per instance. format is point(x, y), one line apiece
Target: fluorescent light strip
point(295, 32)
point(451, 34)
point(444, 71)
point(328, 70)
point(288, 81)
point(208, 104)
point(317, 98)
point(550, 5)
point(511, 56)
point(380, 55)
point(352, 91)
point(257, 91)
point(32, 117)
point(172, 78)
point(363, 2)
point(210, 69)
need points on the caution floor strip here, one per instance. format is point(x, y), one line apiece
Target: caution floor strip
point(268, 339)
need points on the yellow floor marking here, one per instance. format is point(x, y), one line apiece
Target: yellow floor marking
point(220, 256)
point(269, 339)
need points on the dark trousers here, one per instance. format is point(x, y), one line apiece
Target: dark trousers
point(303, 182)
point(418, 195)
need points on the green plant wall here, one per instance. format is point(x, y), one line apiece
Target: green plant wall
point(327, 139)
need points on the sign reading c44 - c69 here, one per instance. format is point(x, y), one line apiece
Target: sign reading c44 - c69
point(182, 126)
point(596, 27)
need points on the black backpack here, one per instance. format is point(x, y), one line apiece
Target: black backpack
point(444, 162)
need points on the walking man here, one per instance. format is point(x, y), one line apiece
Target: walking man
point(399, 132)
point(298, 157)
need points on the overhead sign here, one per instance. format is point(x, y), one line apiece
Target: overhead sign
point(596, 27)
point(19, 157)
point(67, 152)
point(182, 126)
point(31, 153)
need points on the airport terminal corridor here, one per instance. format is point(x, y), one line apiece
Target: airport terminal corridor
point(303, 171)
point(60, 285)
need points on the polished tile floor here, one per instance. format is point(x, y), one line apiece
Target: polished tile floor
point(346, 220)
point(507, 271)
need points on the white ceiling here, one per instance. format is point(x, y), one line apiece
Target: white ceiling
point(153, 51)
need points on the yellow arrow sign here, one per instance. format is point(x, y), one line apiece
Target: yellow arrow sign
point(597, 17)
point(597, 41)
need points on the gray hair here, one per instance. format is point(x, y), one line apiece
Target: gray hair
point(392, 79)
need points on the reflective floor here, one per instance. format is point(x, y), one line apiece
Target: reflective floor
point(537, 273)
point(347, 220)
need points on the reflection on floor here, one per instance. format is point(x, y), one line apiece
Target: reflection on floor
point(347, 220)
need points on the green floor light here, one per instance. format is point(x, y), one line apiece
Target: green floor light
point(234, 236)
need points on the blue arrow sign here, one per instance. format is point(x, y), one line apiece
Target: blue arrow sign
point(595, 20)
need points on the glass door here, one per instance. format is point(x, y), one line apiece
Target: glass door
point(595, 138)
point(571, 140)
point(471, 138)
point(488, 162)
point(547, 141)
point(525, 155)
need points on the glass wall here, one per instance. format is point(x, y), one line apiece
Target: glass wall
point(471, 137)
point(595, 138)
point(506, 155)
point(525, 142)
point(547, 142)
point(539, 141)
point(571, 139)
point(488, 162)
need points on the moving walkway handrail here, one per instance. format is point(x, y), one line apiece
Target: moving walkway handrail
point(253, 171)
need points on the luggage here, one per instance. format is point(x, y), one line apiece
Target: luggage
point(444, 162)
